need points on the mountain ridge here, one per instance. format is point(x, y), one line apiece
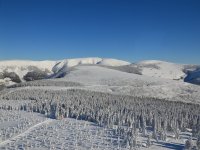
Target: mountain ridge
point(16, 71)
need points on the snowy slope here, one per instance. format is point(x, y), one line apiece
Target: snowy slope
point(168, 70)
point(162, 69)
point(18, 71)
point(20, 68)
point(113, 62)
point(97, 78)
point(158, 80)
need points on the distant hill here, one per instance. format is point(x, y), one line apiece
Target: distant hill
point(17, 71)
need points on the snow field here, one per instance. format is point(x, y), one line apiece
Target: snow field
point(22, 67)
point(121, 125)
point(15, 122)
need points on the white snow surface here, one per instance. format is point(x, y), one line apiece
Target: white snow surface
point(16, 64)
point(152, 68)
point(97, 78)
point(33, 131)
point(168, 70)
point(74, 134)
point(21, 67)
point(113, 62)
point(156, 80)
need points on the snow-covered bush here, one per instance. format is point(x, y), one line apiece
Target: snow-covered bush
point(188, 144)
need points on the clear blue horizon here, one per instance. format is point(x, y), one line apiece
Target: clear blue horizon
point(131, 30)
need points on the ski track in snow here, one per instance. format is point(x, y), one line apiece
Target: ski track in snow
point(26, 131)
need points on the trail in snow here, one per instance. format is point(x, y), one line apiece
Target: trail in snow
point(26, 132)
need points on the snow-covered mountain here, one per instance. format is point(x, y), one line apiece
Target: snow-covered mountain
point(163, 69)
point(115, 95)
point(17, 71)
point(103, 79)
point(168, 70)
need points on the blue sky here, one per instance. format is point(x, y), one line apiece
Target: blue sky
point(131, 30)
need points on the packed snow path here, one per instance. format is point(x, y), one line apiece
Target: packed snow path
point(25, 132)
